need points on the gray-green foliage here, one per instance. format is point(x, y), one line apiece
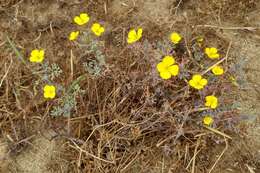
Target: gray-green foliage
point(48, 72)
point(164, 47)
point(16, 51)
point(93, 67)
point(93, 47)
point(68, 101)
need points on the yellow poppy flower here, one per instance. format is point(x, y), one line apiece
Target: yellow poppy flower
point(134, 36)
point(208, 120)
point(175, 37)
point(49, 91)
point(166, 68)
point(37, 56)
point(97, 29)
point(212, 52)
point(82, 19)
point(211, 101)
point(200, 41)
point(217, 70)
point(198, 82)
point(73, 35)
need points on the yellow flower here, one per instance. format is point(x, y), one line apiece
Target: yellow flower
point(49, 91)
point(200, 39)
point(208, 120)
point(82, 19)
point(37, 56)
point(134, 36)
point(233, 81)
point(97, 29)
point(198, 82)
point(212, 52)
point(211, 101)
point(73, 35)
point(217, 70)
point(175, 37)
point(166, 68)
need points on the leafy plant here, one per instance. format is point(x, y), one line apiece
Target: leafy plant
point(68, 101)
point(93, 47)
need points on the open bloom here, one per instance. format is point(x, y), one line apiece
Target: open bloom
point(166, 68)
point(198, 82)
point(211, 101)
point(175, 37)
point(134, 36)
point(217, 70)
point(208, 120)
point(82, 19)
point(97, 29)
point(73, 35)
point(212, 52)
point(49, 91)
point(37, 56)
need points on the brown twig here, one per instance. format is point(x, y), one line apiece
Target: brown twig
point(89, 154)
point(225, 149)
point(230, 28)
point(218, 132)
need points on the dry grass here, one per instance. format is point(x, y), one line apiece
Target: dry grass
point(127, 119)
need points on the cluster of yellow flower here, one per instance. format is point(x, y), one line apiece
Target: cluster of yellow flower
point(83, 19)
point(167, 68)
point(37, 56)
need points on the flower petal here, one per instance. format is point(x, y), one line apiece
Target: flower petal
point(84, 17)
point(35, 52)
point(208, 120)
point(174, 70)
point(175, 38)
point(49, 91)
point(192, 83)
point(78, 20)
point(196, 77)
point(161, 67)
point(165, 75)
point(139, 33)
point(203, 82)
point(168, 60)
point(213, 50)
point(217, 70)
point(41, 53)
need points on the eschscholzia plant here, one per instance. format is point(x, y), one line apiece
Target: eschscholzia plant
point(175, 37)
point(217, 70)
point(37, 56)
point(198, 82)
point(167, 67)
point(82, 19)
point(97, 29)
point(208, 120)
point(211, 101)
point(134, 35)
point(73, 35)
point(49, 91)
point(212, 52)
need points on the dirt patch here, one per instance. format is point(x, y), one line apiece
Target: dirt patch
point(3, 156)
point(39, 156)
